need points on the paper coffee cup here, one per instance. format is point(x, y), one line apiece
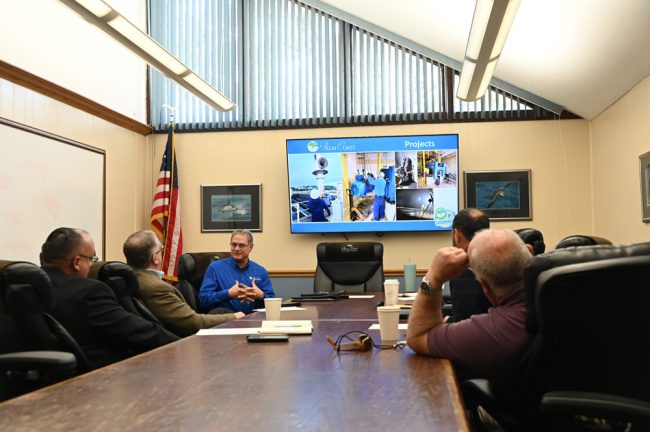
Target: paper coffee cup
point(272, 307)
point(391, 292)
point(388, 322)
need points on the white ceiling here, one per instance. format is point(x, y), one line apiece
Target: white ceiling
point(581, 54)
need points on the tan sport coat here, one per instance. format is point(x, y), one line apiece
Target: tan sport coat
point(169, 306)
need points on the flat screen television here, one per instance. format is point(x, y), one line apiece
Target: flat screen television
point(373, 184)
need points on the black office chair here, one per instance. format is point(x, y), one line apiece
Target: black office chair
point(351, 267)
point(35, 350)
point(581, 240)
point(124, 283)
point(191, 270)
point(534, 238)
point(589, 312)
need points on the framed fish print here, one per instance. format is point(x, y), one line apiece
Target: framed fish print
point(503, 195)
point(231, 207)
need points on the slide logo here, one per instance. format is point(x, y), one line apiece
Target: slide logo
point(443, 217)
point(312, 146)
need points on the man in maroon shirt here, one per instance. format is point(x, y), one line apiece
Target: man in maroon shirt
point(486, 345)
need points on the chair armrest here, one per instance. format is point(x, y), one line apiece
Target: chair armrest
point(54, 361)
point(477, 392)
point(597, 405)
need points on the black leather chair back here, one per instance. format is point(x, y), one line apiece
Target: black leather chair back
point(26, 326)
point(191, 270)
point(124, 283)
point(589, 309)
point(581, 240)
point(352, 267)
point(534, 238)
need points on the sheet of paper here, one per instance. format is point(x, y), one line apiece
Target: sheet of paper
point(283, 309)
point(361, 296)
point(287, 326)
point(400, 326)
point(228, 331)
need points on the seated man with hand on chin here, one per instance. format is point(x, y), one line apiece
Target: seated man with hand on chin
point(235, 284)
point(485, 345)
point(144, 252)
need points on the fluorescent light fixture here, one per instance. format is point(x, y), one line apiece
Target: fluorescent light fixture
point(96, 7)
point(148, 45)
point(98, 13)
point(490, 26)
point(205, 88)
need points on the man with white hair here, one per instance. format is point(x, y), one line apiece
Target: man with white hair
point(486, 345)
point(143, 252)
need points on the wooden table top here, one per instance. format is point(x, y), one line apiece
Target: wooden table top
point(222, 382)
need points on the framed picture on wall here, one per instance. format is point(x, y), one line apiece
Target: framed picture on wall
point(644, 162)
point(231, 207)
point(503, 195)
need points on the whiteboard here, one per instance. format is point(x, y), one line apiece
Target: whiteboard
point(46, 182)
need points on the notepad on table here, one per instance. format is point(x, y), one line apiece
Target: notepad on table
point(287, 327)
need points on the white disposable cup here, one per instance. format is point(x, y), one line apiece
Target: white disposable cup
point(391, 292)
point(272, 307)
point(388, 322)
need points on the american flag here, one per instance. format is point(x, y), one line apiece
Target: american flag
point(166, 210)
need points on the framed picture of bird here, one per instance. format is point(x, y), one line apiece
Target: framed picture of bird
point(231, 207)
point(503, 195)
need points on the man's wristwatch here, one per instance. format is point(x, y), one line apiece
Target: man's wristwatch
point(425, 288)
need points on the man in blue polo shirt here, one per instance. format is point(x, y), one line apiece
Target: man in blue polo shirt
point(235, 284)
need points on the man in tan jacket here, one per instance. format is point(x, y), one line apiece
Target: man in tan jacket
point(143, 252)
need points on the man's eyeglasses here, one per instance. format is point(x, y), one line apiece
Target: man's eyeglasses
point(162, 249)
point(363, 343)
point(93, 259)
point(239, 245)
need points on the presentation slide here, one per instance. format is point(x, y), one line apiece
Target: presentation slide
point(373, 184)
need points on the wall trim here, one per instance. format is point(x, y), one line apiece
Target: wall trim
point(310, 273)
point(22, 77)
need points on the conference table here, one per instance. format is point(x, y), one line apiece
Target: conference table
point(209, 383)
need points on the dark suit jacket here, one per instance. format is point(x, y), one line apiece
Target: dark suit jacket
point(467, 297)
point(107, 332)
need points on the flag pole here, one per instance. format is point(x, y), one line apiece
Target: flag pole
point(172, 110)
point(171, 178)
point(165, 213)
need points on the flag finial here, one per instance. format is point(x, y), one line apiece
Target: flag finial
point(172, 111)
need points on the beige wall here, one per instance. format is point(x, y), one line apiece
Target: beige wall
point(128, 157)
point(556, 151)
point(618, 137)
point(49, 40)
